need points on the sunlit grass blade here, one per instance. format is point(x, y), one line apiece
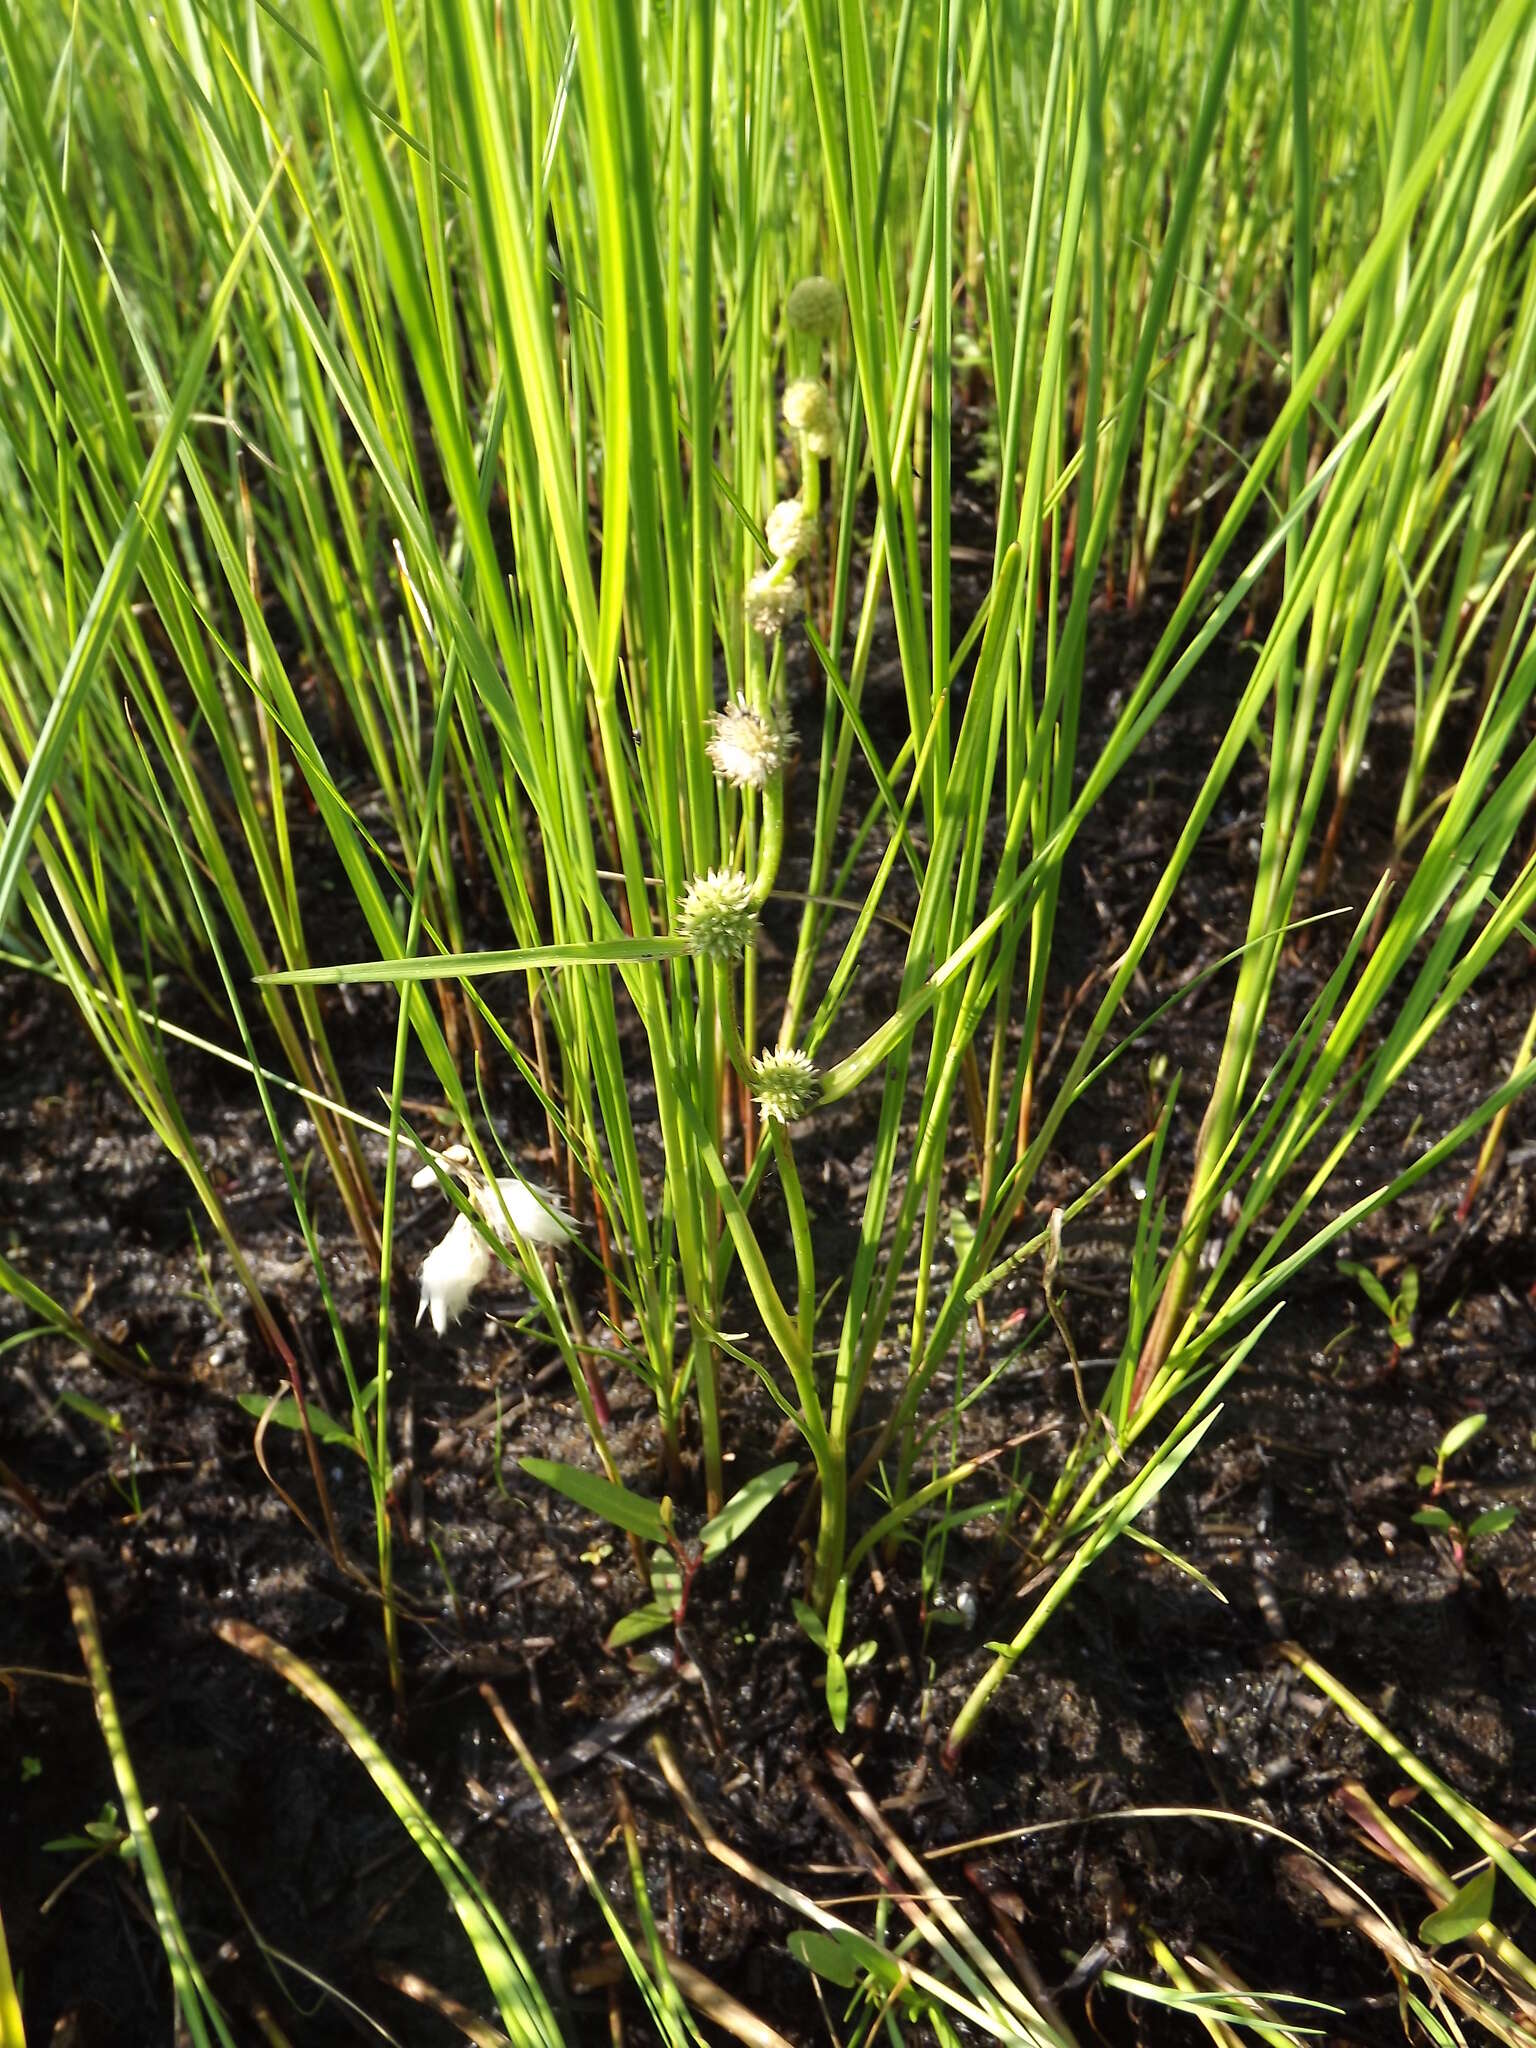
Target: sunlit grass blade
point(200, 2012)
point(521, 2003)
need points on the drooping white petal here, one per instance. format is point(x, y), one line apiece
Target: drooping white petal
point(451, 1272)
point(534, 1212)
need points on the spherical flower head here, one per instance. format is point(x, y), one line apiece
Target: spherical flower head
point(716, 917)
point(786, 1084)
point(771, 600)
point(808, 410)
point(815, 306)
point(748, 748)
point(791, 530)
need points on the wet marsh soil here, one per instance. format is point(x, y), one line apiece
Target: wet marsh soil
point(1147, 1690)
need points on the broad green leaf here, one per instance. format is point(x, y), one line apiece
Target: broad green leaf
point(744, 1507)
point(1471, 1908)
point(631, 1511)
point(1491, 1522)
point(842, 1958)
point(1433, 1518)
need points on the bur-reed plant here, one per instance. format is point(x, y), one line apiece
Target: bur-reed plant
point(432, 473)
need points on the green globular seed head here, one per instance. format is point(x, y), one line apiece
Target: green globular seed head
point(786, 1084)
point(815, 306)
point(716, 917)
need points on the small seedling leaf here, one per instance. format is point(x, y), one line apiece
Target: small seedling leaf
point(1369, 1285)
point(644, 1621)
point(744, 1507)
point(105, 1418)
point(1433, 1518)
point(1492, 1522)
point(1460, 1435)
point(846, 1957)
point(666, 1579)
point(811, 1622)
point(837, 1614)
point(1471, 1908)
point(837, 1690)
point(837, 1957)
point(616, 1504)
point(284, 1414)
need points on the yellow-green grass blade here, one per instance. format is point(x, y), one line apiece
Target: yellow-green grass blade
point(521, 2003)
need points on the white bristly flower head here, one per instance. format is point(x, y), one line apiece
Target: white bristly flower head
point(716, 917)
point(749, 747)
point(453, 1269)
point(451, 1272)
point(808, 410)
point(815, 306)
point(790, 529)
point(786, 1084)
point(533, 1212)
point(771, 599)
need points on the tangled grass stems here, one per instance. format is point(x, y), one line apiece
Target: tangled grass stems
point(436, 569)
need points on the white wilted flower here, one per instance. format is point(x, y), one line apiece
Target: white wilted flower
point(815, 306)
point(786, 1084)
point(790, 529)
point(770, 600)
point(716, 916)
point(463, 1260)
point(749, 747)
point(451, 1272)
point(808, 410)
point(533, 1212)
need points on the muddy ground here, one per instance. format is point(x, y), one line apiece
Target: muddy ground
point(1147, 1690)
